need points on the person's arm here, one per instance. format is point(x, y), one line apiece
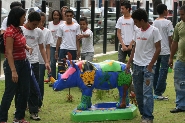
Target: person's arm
point(120, 39)
point(9, 50)
point(59, 41)
point(44, 56)
point(85, 35)
point(155, 57)
point(174, 48)
point(48, 52)
point(170, 41)
point(78, 47)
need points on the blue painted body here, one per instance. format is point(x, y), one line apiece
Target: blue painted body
point(102, 80)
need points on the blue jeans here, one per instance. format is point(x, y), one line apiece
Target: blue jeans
point(160, 76)
point(143, 85)
point(33, 101)
point(41, 81)
point(62, 55)
point(53, 61)
point(23, 71)
point(179, 82)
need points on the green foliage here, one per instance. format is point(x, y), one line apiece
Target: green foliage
point(124, 79)
point(100, 94)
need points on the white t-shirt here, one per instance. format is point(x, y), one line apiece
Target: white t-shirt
point(127, 29)
point(87, 43)
point(4, 24)
point(33, 38)
point(102, 11)
point(145, 45)
point(54, 29)
point(166, 29)
point(74, 20)
point(48, 38)
point(68, 34)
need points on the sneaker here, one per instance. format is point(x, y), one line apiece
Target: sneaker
point(176, 110)
point(146, 121)
point(156, 97)
point(15, 121)
point(20, 121)
point(34, 116)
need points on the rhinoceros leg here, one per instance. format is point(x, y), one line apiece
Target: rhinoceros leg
point(123, 101)
point(85, 103)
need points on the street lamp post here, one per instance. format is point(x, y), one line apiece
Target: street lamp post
point(105, 27)
point(44, 6)
point(92, 17)
point(78, 11)
point(138, 4)
point(23, 4)
point(61, 3)
point(117, 17)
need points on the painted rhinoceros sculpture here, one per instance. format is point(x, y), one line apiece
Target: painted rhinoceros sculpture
point(87, 76)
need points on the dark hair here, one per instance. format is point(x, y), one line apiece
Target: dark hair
point(60, 17)
point(126, 4)
point(14, 16)
point(161, 8)
point(43, 14)
point(140, 14)
point(84, 19)
point(69, 11)
point(15, 3)
point(34, 16)
point(182, 8)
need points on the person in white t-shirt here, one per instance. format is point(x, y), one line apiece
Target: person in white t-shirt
point(144, 55)
point(53, 27)
point(166, 30)
point(63, 10)
point(87, 51)
point(4, 23)
point(125, 30)
point(48, 38)
point(34, 38)
point(67, 40)
point(102, 10)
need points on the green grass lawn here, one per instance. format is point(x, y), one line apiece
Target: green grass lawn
point(56, 109)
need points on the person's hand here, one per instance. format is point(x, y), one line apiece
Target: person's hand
point(124, 48)
point(56, 55)
point(130, 47)
point(149, 68)
point(170, 63)
point(80, 36)
point(127, 69)
point(30, 50)
point(48, 67)
point(14, 76)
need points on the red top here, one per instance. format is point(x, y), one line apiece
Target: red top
point(19, 43)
